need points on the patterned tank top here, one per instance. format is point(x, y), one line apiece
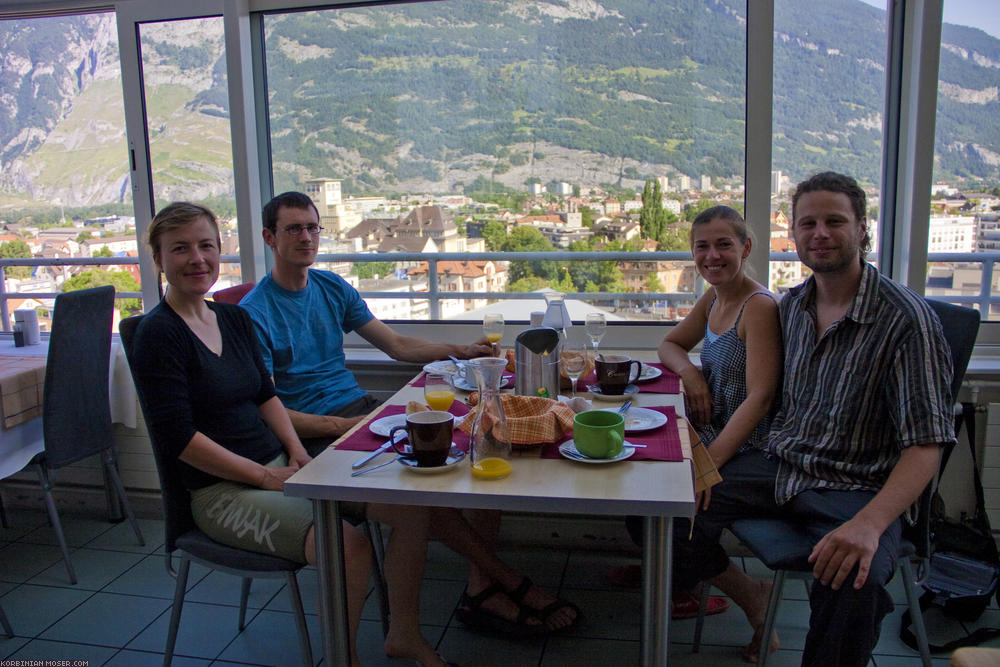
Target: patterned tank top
point(723, 363)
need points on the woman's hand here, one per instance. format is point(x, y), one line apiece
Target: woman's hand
point(298, 457)
point(697, 397)
point(273, 479)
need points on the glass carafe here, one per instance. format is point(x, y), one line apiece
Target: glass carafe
point(557, 314)
point(490, 447)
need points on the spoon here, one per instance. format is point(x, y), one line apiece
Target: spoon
point(365, 471)
point(624, 408)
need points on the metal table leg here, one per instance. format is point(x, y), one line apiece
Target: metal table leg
point(332, 583)
point(656, 576)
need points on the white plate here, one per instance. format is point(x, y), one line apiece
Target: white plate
point(446, 367)
point(449, 464)
point(385, 424)
point(569, 451)
point(466, 385)
point(598, 395)
point(641, 419)
point(649, 373)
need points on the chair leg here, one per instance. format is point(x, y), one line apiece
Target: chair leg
point(700, 623)
point(50, 505)
point(175, 613)
point(5, 623)
point(244, 598)
point(913, 600)
point(111, 471)
point(300, 619)
point(3, 514)
point(772, 613)
point(373, 531)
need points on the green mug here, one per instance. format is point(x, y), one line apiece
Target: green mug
point(599, 434)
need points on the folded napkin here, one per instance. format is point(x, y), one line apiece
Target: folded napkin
point(531, 420)
point(363, 440)
point(662, 444)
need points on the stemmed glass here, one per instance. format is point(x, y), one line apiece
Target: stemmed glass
point(493, 328)
point(573, 359)
point(596, 325)
point(438, 392)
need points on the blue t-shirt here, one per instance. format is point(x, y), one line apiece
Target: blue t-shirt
point(301, 336)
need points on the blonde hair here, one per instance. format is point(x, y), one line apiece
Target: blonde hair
point(174, 216)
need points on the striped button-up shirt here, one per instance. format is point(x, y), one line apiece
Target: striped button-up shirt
point(875, 382)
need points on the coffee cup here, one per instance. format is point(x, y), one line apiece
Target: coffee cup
point(429, 433)
point(599, 434)
point(615, 372)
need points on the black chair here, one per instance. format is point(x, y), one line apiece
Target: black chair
point(76, 414)
point(182, 534)
point(782, 548)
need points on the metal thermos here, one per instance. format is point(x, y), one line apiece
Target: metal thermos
point(536, 361)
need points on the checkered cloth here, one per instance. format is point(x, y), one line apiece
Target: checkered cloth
point(532, 420)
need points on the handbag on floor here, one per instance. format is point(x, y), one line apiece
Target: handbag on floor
point(964, 565)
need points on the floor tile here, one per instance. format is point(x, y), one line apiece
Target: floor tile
point(94, 569)
point(561, 651)
point(10, 645)
point(40, 649)
point(586, 569)
point(78, 530)
point(148, 577)
point(121, 537)
point(205, 630)
point(21, 561)
point(127, 658)
point(469, 648)
point(223, 588)
point(607, 614)
point(272, 639)
point(308, 579)
point(33, 609)
point(90, 621)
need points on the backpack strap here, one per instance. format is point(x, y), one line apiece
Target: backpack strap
point(974, 638)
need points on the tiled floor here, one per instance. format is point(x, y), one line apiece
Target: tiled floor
point(117, 614)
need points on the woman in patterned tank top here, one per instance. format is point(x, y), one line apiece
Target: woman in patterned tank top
point(729, 400)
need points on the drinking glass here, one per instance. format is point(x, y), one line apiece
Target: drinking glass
point(596, 325)
point(573, 359)
point(438, 392)
point(493, 328)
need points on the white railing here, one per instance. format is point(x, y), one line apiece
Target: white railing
point(984, 298)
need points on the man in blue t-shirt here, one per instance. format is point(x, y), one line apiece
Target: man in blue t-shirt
point(300, 316)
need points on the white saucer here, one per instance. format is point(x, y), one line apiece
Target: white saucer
point(641, 419)
point(449, 464)
point(385, 424)
point(568, 450)
point(630, 391)
point(467, 385)
point(649, 373)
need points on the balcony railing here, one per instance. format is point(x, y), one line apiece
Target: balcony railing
point(983, 299)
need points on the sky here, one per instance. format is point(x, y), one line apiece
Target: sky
point(982, 14)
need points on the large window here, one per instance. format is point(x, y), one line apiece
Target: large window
point(481, 125)
point(965, 195)
point(64, 167)
point(829, 98)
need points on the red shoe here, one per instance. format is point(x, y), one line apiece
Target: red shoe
point(685, 605)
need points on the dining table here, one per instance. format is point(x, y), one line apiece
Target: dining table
point(541, 481)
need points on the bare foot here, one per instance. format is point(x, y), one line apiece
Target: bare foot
point(757, 615)
point(415, 648)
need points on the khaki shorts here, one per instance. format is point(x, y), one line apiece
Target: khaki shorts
point(267, 522)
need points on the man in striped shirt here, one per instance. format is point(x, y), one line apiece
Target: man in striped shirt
point(865, 407)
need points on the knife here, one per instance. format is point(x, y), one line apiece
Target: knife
point(380, 465)
point(361, 462)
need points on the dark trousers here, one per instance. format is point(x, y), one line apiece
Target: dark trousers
point(362, 406)
point(845, 624)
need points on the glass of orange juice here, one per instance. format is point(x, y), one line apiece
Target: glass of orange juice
point(493, 329)
point(438, 392)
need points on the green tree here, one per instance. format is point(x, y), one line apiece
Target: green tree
point(565, 282)
point(527, 284)
point(83, 236)
point(529, 239)
point(650, 218)
point(495, 233)
point(691, 211)
point(121, 280)
point(653, 284)
point(16, 249)
point(103, 251)
point(365, 270)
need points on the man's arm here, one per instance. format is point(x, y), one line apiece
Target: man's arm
point(417, 350)
point(320, 426)
point(854, 542)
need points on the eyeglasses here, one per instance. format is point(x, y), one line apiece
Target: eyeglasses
point(296, 230)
